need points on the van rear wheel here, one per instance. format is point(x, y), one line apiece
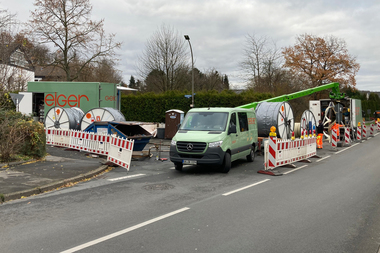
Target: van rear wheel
point(251, 156)
point(178, 166)
point(226, 166)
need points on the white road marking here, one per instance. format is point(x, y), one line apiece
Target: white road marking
point(290, 171)
point(376, 134)
point(347, 148)
point(246, 187)
point(124, 231)
point(323, 158)
point(120, 178)
point(369, 138)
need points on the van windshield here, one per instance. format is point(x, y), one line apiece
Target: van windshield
point(205, 121)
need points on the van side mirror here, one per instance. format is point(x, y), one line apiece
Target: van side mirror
point(178, 126)
point(232, 129)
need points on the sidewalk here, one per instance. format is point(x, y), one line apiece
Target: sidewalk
point(59, 168)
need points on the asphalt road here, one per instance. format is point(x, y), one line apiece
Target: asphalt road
point(329, 205)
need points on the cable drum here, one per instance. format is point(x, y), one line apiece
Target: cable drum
point(101, 114)
point(308, 122)
point(63, 118)
point(278, 114)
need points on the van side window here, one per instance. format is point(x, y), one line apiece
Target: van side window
point(233, 120)
point(243, 121)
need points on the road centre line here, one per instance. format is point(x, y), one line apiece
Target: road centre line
point(246, 187)
point(124, 231)
point(120, 178)
point(322, 158)
point(290, 171)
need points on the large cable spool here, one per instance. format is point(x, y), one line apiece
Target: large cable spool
point(307, 122)
point(63, 118)
point(278, 114)
point(101, 114)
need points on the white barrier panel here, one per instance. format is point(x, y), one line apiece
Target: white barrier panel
point(76, 139)
point(311, 147)
point(100, 144)
point(378, 126)
point(58, 137)
point(287, 151)
point(120, 151)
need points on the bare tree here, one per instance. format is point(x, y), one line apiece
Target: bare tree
point(6, 19)
point(261, 62)
point(163, 63)
point(67, 25)
point(15, 71)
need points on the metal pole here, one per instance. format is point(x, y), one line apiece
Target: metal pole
point(192, 71)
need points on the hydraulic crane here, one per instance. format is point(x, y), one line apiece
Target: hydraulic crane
point(334, 94)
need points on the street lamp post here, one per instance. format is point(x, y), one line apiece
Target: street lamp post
point(192, 72)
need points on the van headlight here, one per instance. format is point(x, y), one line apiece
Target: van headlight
point(173, 143)
point(215, 144)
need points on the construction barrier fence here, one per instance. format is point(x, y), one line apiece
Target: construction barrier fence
point(120, 151)
point(282, 152)
point(117, 150)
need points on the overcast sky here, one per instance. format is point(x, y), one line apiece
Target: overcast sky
point(218, 28)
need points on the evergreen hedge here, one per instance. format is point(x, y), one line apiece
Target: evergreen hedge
point(151, 107)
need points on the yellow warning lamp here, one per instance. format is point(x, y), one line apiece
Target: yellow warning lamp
point(358, 124)
point(302, 135)
point(272, 131)
point(310, 134)
point(378, 119)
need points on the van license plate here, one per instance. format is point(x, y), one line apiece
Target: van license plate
point(189, 162)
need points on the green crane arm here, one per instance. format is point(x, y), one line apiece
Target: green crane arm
point(334, 94)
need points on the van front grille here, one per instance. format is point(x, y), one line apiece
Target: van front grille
point(193, 147)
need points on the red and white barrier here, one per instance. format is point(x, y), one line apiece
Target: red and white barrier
point(272, 152)
point(371, 130)
point(282, 152)
point(334, 138)
point(120, 151)
point(364, 131)
point(57, 137)
point(347, 139)
point(378, 125)
point(100, 144)
point(359, 134)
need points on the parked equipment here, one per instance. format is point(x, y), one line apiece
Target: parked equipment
point(126, 130)
point(63, 118)
point(105, 114)
point(278, 114)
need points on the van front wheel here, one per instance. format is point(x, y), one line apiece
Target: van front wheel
point(178, 166)
point(226, 166)
point(251, 156)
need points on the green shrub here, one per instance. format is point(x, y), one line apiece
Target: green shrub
point(20, 135)
point(151, 107)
